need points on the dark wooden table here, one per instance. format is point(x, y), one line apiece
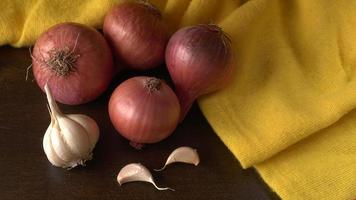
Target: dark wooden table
point(25, 172)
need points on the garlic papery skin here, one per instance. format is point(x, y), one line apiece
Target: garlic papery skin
point(137, 172)
point(184, 155)
point(70, 139)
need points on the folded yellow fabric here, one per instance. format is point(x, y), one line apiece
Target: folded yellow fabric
point(295, 80)
point(289, 110)
point(321, 167)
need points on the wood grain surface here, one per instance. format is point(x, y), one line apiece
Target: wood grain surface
point(25, 172)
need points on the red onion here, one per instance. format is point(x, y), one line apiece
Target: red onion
point(144, 110)
point(75, 61)
point(137, 34)
point(199, 60)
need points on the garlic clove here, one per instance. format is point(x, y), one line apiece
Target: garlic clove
point(51, 155)
point(59, 145)
point(75, 136)
point(89, 125)
point(47, 145)
point(183, 155)
point(137, 172)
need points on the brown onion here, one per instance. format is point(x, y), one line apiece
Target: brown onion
point(75, 61)
point(137, 34)
point(199, 60)
point(144, 110)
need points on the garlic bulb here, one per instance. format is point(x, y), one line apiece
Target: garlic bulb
point(137, 172)
point(184, 155)
point(69, 139)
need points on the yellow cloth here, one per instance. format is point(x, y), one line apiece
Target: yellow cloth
point(289, 112)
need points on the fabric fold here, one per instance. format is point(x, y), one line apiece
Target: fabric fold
point(290, 81)
point(321, 167)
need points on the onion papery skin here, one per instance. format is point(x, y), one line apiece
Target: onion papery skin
point(137, 35)
point(92, 63)
point(200, 61)
point(143, 116)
